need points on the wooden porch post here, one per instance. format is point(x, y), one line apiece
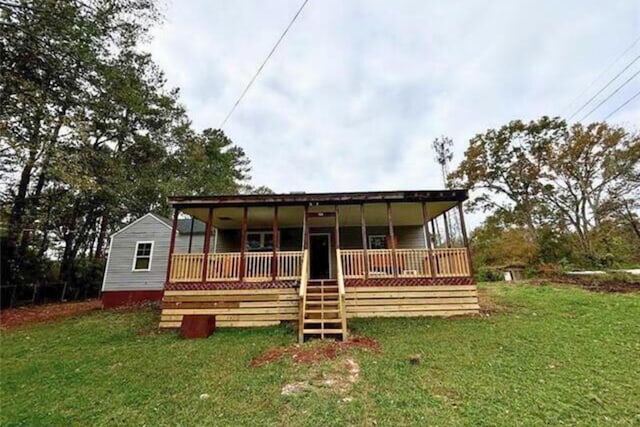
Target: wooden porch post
point(392, 238)
point(337, 230)
point(463, 229)
point(363, 228)
point(428, 243)
point(276, 243)
point(172, 244)
point(191, 233)
point(243, 243)
point(305, 229)
point(447, 235)
point(206, 245)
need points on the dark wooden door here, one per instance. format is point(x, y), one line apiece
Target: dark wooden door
point(319, 256)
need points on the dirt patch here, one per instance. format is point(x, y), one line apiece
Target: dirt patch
point(339, 377)
point(592, 284)
point(488, 305)
point(12, 317)
point(315, 351)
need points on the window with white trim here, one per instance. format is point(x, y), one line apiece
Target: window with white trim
point(259, 241)
point(142, 256)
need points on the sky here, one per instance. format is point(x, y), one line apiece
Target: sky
point(358, 90)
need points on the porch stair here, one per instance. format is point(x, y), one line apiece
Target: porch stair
point(323, 313)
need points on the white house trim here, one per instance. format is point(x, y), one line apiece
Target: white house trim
point(106, 267)
point(135, 255)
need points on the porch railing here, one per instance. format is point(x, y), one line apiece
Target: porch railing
point(450, 262)
point(226, 266)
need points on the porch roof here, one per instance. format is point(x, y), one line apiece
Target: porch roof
point(406, 207)
point(239, 200)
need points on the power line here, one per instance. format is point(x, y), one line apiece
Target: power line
point(610, 95)
point(615, 61)
point(255, 76)
point(605, 87)
point(623, 105)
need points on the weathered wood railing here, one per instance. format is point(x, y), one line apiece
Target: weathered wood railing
point(302, 294)
point(449, 262)
point(226, 266)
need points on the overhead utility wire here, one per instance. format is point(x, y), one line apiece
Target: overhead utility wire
point(255, 76)
point(605, 87)
point(622, 106)
point(610, 95)
point(615, 61)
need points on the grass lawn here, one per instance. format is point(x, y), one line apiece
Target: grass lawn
point(547, 356)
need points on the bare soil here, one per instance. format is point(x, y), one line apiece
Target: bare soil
point(12, 317)
point(316, 351)
point(593, 284)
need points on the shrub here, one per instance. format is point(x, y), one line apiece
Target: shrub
point(489, 274)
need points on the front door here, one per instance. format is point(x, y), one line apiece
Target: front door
point(319, 256)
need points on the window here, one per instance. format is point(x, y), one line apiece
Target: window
point(142, 257)
point(259, 241)
point(378, 241)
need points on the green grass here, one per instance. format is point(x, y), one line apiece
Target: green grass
point(551, 356)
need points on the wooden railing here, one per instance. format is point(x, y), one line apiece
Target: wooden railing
point(226, 266)
point(186, 267)
point(451, 262)
point(302, 294)
point(289, 264)
point(223, 267)
point(410, 262)
point(257, 266)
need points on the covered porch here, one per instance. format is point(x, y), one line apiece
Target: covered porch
point(358, 236)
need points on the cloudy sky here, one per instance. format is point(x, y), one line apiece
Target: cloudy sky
point(358, 89)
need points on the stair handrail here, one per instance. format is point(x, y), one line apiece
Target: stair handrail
point(302, 299)
point(341, 293)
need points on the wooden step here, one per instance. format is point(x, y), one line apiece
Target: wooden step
point(322, 331)
point(322, 311)
point(320, 302)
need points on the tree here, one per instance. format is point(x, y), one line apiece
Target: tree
point(90, 136)
point(548, 177)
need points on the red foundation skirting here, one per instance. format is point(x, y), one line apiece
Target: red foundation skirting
point(411, 281)
point(112, 299)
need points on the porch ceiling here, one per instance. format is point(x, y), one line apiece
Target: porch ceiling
point(260, 217)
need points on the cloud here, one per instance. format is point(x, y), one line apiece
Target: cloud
point(358, 90)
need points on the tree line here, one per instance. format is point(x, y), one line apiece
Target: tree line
point(91, 137)
point(555, 194)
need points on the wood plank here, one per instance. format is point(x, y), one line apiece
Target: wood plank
point(392, 301)
point(423, 307)
point(228, 304)
point(252, 317)
point(173, 318)
point(284, 291)
point(411, 288)
point(383, 295)
point(413, 313)
point(250, 324)
point(230, 310)
point(199, 298)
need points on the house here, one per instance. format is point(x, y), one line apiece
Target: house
point(138, 253)
point(316, 259)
